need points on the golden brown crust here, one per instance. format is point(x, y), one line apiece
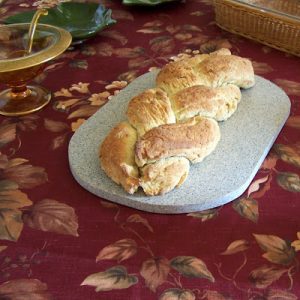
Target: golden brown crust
point(176, 76)
point(193, 139)
point(117, 156)
point(217, 103)
point(218, 70)
point(150, 109)
point(164, 175)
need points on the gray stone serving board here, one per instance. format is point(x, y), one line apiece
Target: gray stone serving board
point(246, 139)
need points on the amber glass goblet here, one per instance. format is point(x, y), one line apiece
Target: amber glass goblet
point(18, 67)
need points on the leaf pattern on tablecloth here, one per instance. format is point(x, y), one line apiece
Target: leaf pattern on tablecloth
point(236, 246)
point(247, 208)
point(122, 15)
point(120, 250)
point(289, 153)
point(25, 289)
point(190, 266)
point(112, 278)
point(7, 134)
point(136, 218)
point(214, 295)
point(293, 121)
point(177, 294)
point(155, 272)
point(16, 173)
point(22, 264)
point(20, 172)
point(289, 181)
point(11, 201)
point(277, 250)
point(55, 126)
point(296, 243)
point(205, 214)
point(264, 276)
point(51, 215)
point(280, 294)
point(214, 45)
point(289, 86)
point(261, 68)
point(270, 162)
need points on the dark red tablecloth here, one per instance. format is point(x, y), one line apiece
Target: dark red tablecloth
point(58, 241)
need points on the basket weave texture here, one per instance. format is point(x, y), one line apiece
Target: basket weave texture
point(273, 23)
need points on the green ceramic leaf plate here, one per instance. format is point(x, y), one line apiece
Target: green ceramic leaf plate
point(146, 2)
point(82, 20)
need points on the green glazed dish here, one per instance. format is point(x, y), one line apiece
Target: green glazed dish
point(146, 2)
point(82, 20)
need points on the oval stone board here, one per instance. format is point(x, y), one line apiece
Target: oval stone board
point(246, 139)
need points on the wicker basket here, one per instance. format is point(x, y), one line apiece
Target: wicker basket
point(273, 23)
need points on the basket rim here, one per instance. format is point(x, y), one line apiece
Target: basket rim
point(261, 10)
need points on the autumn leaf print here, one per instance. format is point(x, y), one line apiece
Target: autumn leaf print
point(15, 174)
point(162, 44)
point(115, 35)
point(247, 208)
point(173, 28)
point(136, 218)
point(122, 15)
point(111, 279)
point(264, 276)
point(261, 68)
point(177, 294)
point(53, 216)
point(289, 86)
point(84, 111)
point(214, 45)
point(150, 30)
point(214, 295)
point(259, 188)
point(18, 171)
point(75, 125)
point(236, 246)
point(11, 200)
point(255, 185)
point(269, 162)
point(63, 92)
point(192, 267)
point(205, 214)
point(155, 272)
point(2, 248)
point(289, 181)
point(296, 243)
point(58, 141)
point(129, 52)
point(7, 133)
point(277, 250)
point(274, 294)
point(55, 126)
point(24, 289)
point(108, 204)
point(120, 250)
point(80, 87)
point(289, 153)
point(11, 224)
point(293, 121)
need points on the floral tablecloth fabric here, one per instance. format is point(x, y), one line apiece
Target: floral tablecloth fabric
point(58, 241)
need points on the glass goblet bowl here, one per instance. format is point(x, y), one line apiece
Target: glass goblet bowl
point(18, 67)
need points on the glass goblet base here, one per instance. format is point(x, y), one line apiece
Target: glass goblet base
point(31, 100)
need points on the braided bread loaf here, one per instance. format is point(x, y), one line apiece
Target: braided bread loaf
point(175, 123)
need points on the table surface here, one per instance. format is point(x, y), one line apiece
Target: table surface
point(58, 241)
